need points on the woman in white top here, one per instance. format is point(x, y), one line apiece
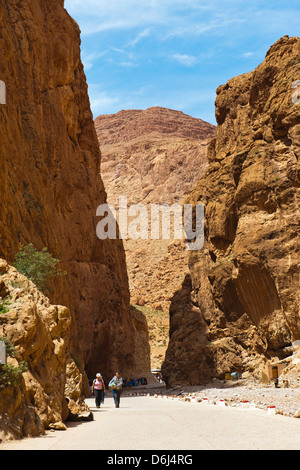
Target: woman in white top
point(98, 389)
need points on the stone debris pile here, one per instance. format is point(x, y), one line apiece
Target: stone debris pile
point(283, 401)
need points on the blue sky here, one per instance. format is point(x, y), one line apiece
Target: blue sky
point(174, 53)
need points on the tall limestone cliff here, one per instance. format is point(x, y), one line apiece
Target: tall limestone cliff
point(239, 305)
point(50, 180)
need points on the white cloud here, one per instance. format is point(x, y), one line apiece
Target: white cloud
point(185, 59)
point(102, 102)
point(89, 59)
point(139, 37)
point(221, 36)
point(189, 16)
point(99, 16)
point(167, 17)
point(109, 102)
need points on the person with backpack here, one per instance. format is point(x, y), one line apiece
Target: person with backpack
point(116, 386)
point(98, 389)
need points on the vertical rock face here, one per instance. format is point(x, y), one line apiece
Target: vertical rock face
point(50, 182)
point(239, 305)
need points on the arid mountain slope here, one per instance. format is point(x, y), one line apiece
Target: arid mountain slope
point(50, 181)
point(239, 304)
point(152, 156)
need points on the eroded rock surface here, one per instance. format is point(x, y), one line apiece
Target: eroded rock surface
point(40, 333)
point(239, 304)
point(50, 179)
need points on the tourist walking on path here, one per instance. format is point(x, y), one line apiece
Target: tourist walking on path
point(98, 389)
point(116, 385)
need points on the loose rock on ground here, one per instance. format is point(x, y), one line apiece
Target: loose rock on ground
point(235, 393)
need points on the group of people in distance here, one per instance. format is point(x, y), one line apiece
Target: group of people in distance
point(99, 389)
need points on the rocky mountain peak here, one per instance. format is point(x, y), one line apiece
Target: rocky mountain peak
point(127, 125)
